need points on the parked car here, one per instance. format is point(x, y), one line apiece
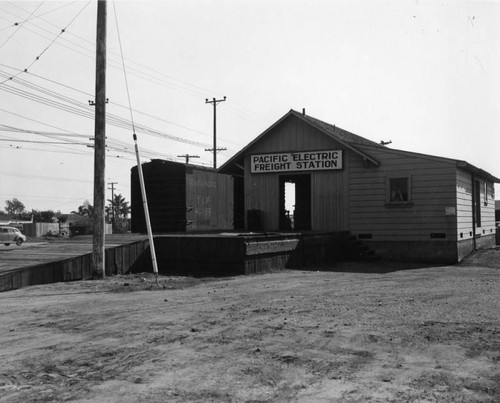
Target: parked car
point(9, 235)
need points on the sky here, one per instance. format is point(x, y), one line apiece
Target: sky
point(422, 74)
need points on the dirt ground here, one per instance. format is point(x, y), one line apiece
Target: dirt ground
point(376, 332)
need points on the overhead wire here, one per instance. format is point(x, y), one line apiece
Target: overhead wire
point(192, 89)
point(112, 103)
point(116, 145)
point(66, 4)
point(51, 43)
point(44, 177)
point(19, 25)
point(29, 131)
point(115, 63)
point(41, 197)
point(141, 178)
point(119, 123)
point(42, 142)
point(84, 110)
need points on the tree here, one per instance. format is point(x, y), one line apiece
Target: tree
point(118, 212)
point(119, 207)
point(43, 216)
point(14, 206)
point(86, 209)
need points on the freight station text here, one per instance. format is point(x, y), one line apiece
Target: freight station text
point(301, 161)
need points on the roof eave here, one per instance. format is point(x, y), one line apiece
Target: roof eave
point(232, 160)
point(477, 171)
point(345, 144)
point(255, 140)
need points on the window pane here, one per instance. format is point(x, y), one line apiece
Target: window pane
point(399, 189)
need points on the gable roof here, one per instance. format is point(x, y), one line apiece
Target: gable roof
point(351, 141)
point(347, 139)
point(336, 132)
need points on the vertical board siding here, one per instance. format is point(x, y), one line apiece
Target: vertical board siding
point(225, 201)
point(464, 207)
point(209, 200)
point(201, 199)
point(329, 188)
point(432, 191)
point(182, 198)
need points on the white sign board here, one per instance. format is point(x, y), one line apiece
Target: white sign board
point(299, 161)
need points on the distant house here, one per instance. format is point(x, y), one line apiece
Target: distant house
point(11, 220)
point(403, 205)
point(77, 224)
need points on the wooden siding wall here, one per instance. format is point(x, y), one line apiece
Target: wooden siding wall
point(209, 200)
point(432, 191)
point(464, 207)
point(329, 188)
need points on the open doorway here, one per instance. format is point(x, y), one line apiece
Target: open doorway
point(295, 202)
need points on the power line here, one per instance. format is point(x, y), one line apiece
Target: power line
point(156, 76)
point(90, 95)
point(41, 142)
point(35, 197)
point(83, 110)
point(49, 178)
point(35, 16)
point(112, 144)
point(19, 25)
point(50, 44)
point(191, 89)
point(141, 177)
point(13, 129)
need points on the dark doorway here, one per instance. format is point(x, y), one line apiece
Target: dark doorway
point(295, 202)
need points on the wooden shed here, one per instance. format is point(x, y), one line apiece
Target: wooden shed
point(403, 205)
point(182, 198)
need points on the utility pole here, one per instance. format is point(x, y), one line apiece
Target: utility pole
point(215, 149)
point(187, 156)
point(99, 143)
point(112, 188)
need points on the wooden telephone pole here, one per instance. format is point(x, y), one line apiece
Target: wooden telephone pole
point(215, 149)
point(113, 211)
point(100, 144)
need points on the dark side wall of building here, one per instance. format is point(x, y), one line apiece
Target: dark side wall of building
point(182, 198)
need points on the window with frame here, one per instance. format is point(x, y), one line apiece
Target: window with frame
point(399, 191)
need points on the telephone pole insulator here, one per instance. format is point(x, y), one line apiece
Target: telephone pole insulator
point(214, 102)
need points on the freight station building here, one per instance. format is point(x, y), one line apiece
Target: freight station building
point(401, 204)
